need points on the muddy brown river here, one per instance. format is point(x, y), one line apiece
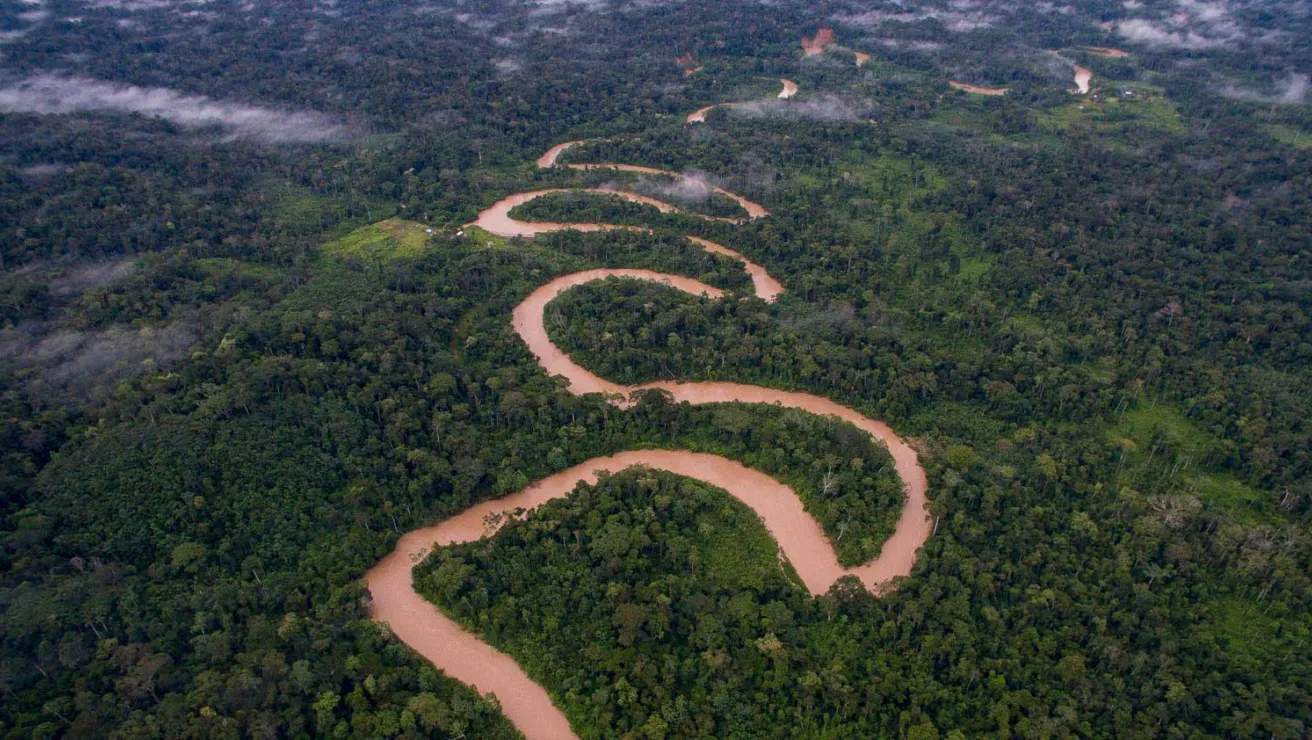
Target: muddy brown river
point(465, 657)
point(699, 115)
point(1083, 77)
point(754, 210)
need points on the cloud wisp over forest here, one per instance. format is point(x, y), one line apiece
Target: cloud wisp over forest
point(1293, 89)
point(819, 108)
point(49, 94)
point(1197, 24)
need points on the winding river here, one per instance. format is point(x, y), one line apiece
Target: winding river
point(699, 115)
point(754, 211)
point(461, 654)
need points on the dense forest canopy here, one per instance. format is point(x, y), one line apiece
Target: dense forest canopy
point(246, 343)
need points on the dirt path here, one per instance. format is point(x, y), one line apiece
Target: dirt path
point(461, 654)
point(1106, 51)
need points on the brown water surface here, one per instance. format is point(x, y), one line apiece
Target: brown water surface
point(699, 115)
point(754, 210)
point(1082, 79)
point(497, 220)
point(461, 654)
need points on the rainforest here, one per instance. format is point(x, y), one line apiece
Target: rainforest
point(655, 369)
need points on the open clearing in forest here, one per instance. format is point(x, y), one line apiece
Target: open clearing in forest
point(1294, 137)
point(978, 89)
point(1248, 631)
point(393, 238)
point(1119, 113)
point(1165, 451)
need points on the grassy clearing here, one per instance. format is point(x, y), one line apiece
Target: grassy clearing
point(1248, 632)
point(299, 209)
point(335, 289)
point(1149, 420)
point(889, 176)
point(392, 239)
point(1289, 135)
point(974, 267)
point(1121, 112)
point(1101, 370)
point(483, 239)
point(892, 213)
point(1164, 447)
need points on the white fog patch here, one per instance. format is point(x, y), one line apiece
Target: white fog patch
point(33, 18)
point(693, 186)
point(81, 278)
point(821, 108)
point(1190, 24)
point(140, 5)
point(43, 171)
point(1153, 33)
point(55, 95)
point(913, 45)
point(1293, 90)
point(94, 362)
point(959, 16)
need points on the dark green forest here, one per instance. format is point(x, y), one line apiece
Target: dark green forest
point(246, 344)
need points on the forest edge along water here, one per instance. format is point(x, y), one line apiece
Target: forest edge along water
point(549, 159)
point(699, 115)
point(465, 657)
point(1083, 77)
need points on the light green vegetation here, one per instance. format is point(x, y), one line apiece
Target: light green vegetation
point(736, 549)
point(1120, 112)
point(391, 239)
point(485, 239)
point(1101, 369)
point(1152, 422)
point(1027, 325)
point(1251, 631)
point(889, 175)
point(300, 210)
point(1290, 135)
point(1164, 449)
point(893, 214)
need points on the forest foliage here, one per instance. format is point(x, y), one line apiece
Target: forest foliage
point(234, 370)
